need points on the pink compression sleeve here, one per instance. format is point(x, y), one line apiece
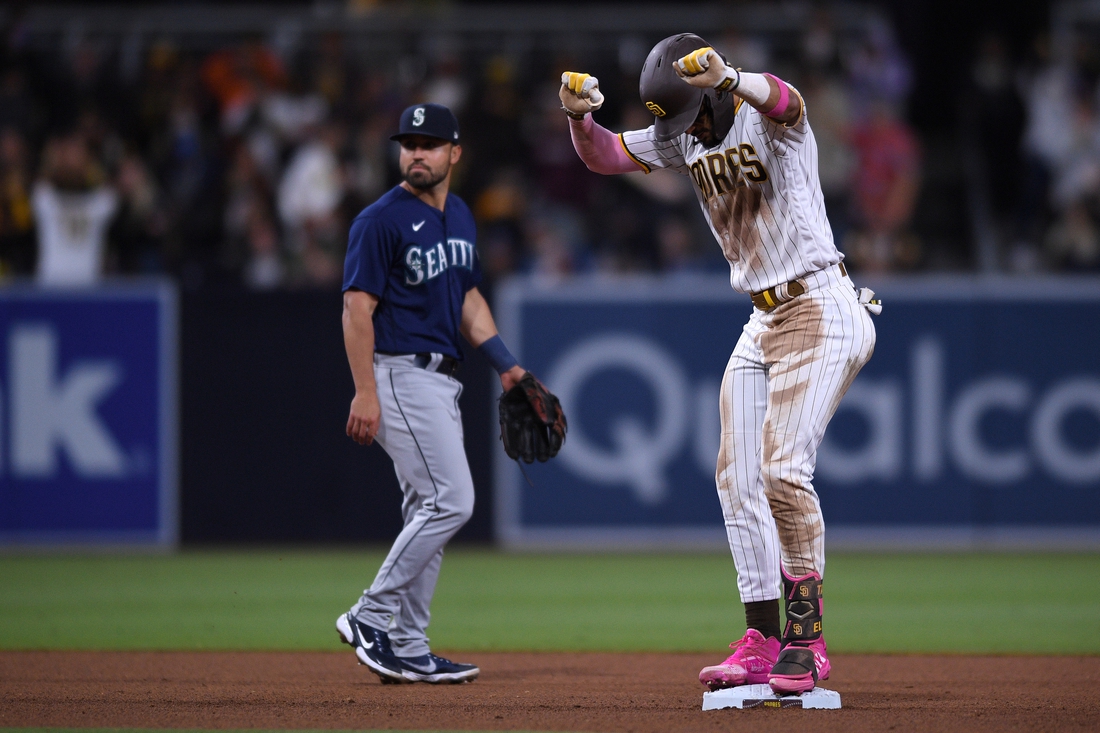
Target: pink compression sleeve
point(600, 148)
point(780, 107)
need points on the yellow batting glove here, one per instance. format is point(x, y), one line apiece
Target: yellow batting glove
point(695, 62)
point(705, 69)
point(577, 82)
point(580, 93)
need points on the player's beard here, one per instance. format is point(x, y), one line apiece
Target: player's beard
point(423, 179)
point(708, 140)
point(703, 126)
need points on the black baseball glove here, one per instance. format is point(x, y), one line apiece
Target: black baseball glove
point(532, 424)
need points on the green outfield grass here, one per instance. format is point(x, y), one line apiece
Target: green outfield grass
point(957, 603)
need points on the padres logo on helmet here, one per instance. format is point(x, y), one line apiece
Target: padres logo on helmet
point(674, 103)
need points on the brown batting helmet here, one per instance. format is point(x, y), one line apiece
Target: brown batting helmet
point(672, 101)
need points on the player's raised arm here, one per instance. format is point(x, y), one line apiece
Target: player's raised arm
point(600, 149)
point(774, 98)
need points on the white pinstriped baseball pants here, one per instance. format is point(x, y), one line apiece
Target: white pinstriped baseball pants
point(783, 382)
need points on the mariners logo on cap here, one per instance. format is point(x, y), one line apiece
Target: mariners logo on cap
point(418, 117)
point(655, 108)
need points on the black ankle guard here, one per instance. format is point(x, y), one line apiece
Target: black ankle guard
point(803, 610)
point(795, 661)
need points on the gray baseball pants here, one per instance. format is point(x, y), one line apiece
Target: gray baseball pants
point(421, 430)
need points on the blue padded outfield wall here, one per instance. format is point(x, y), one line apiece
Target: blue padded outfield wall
point(88, 415)
point(976, 423)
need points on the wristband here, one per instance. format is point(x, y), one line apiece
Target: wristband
point(784, 96)
point(573, 115)
point(498, 354)
point(730, 82)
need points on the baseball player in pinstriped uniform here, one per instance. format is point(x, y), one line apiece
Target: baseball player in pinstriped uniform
point(410, 291)
point(745, 141)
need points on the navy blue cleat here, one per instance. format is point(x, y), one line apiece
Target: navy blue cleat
point(437, 670)
point(372, 648)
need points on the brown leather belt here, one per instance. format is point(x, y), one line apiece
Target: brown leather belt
point(765, 300)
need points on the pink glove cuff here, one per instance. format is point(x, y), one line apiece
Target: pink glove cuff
point(784, 97)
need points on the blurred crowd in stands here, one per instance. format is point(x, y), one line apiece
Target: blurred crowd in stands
point(1033, 129)
point(243, 165)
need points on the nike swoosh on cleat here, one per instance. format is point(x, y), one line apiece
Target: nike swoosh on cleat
point(362, 640)
point(416, 227)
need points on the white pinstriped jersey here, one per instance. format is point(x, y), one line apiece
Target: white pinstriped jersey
point(759, 191)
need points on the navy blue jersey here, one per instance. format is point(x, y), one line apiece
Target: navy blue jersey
point(420, 262)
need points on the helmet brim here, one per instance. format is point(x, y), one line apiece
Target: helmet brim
point(670, 127)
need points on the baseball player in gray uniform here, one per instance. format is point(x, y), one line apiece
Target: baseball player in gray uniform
point(410, 292)
point(745, 141)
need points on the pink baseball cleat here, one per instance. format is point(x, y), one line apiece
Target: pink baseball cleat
point(799, 668)
point(752, 660)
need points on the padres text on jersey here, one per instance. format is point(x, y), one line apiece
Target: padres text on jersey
point(759, 192)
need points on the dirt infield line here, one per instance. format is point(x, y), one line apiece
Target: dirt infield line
point(636, 693)
point(204, 730)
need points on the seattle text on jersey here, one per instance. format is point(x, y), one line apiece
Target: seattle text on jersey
point(423, 264)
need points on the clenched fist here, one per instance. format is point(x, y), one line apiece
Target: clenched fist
point(580, 93)
point(705, 69)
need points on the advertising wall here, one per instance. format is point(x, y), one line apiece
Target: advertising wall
point(265, 388)
point(88, 415)
point(977, 421)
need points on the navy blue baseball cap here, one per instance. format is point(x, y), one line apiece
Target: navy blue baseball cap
point(430, 120)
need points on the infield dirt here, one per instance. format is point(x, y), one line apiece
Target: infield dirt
point(642, 693)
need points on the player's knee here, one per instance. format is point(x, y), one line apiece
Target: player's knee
point(465, 511)
point(780, 482)
point(457, 505)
